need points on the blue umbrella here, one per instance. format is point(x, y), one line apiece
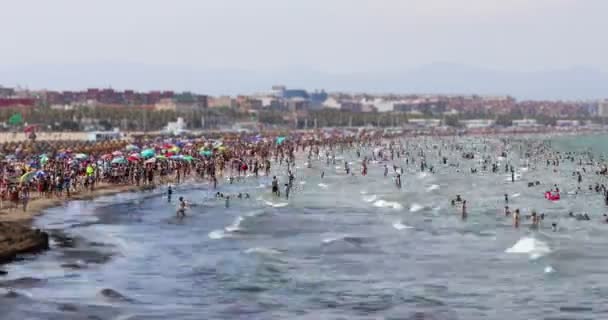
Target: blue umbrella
point(119, 160)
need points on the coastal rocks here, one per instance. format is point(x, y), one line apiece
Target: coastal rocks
point(17, 239)
point(114, 296)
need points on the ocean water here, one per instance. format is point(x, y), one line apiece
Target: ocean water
point(342, 247)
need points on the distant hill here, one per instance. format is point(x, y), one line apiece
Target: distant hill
point(573, 83)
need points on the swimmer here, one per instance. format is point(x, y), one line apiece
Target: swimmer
point(506, 198)
point(227, 202)
point(554, 227)
point(507, 211)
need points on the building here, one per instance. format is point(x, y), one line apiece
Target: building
point(424, 123)
point(477, 123)
point(602, 109)
point(6, 92)
point(567, 123)
point(524, 123)
point(222, 102)
point(17, 102)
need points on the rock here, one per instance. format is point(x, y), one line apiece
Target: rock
point(17, 239)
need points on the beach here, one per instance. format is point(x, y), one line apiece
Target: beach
point(348, 241)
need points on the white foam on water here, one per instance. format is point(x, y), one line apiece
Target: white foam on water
point(338, 167)
point(323, 185)
point(549, 269)
point(330, 240)
point(388, 204)
point(217, 234)
point(370, 198)
point(302, 182)
point(400, 226)
point(363, 192)
point(432, 187)
point(527, 245)
point(276, 205)
point(235, 226)
point(416, 207)
point(423, 175)
point(262, 250)
point(515, 195)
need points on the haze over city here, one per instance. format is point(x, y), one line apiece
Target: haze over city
point(543, 49)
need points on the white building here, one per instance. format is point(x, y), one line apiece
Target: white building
point(567, 123)
point(477, 123)
point(524, 123)
point(425, 123)
point(176, 127)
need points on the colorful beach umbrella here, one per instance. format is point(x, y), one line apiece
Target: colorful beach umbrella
point(80, 156)
point(148, 153)
point(131, 147)
point(119, 160)
point(27, 177)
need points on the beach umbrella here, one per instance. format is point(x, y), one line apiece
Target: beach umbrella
point(80, 156)
point(106, 156)
point(40, 173)
point(11, 157)
point(117, 154)
point(206, 153)
point(131, 147)
point(148, 153)
point(119, 160)
point(133, 159)
point(280, 140)
point(175, 149)
point(177, 157)
point(161, 157)
point(151, 160)
point(188, 158)
point(27, 177)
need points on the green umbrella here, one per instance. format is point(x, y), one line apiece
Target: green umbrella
point(148, 153)
point(188, 158)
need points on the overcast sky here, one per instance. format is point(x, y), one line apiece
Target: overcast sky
point(328, 35)
point(340, 37)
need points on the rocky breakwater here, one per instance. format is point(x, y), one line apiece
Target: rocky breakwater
point(17, 239)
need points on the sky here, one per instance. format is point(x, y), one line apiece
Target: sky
point(328, 36)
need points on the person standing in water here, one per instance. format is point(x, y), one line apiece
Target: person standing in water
point(181, 208)
point(169, 193)
point(275, 185)
point(516, 218)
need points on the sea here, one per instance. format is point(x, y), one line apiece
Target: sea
point(341, 247)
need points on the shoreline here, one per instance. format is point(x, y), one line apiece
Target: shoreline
point(19, 237)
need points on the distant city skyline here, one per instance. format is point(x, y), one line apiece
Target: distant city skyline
point(483, 46)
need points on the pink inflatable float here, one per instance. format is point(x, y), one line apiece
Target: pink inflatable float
point(552, 196)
